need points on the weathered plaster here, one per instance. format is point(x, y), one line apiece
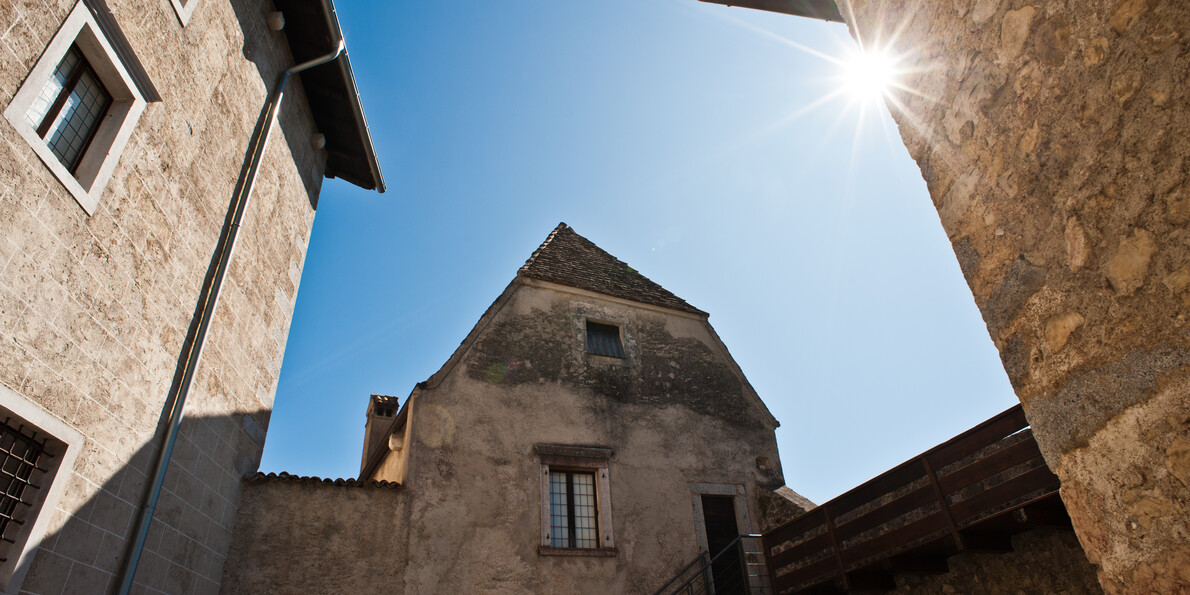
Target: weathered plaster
point(675, 413)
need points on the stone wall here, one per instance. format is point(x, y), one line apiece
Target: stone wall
point(94, 308)
point(675, 411)
point(780, 506)
point(306, 535)
point(1041, 561)
point(1052, 137)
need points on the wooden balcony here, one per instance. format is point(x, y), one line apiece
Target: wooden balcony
point(972, 492)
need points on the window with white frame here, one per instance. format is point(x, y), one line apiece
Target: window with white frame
point(77, 108)
point(576, 500)
point(37, 452)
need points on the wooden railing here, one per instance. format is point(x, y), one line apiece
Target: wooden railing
point(936, 504)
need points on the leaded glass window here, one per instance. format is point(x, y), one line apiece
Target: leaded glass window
point(19, 453)
point(69, 108)
point(572, 510)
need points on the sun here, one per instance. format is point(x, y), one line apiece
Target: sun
point(868, 75)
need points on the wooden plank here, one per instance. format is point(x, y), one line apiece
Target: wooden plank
point(886, 482)
point(794, 529)
point(996, 462)
point(954, 529)
point(989, 432)
point(966, 510)
point(886, 543)
point(810, 546)
point(909, 502)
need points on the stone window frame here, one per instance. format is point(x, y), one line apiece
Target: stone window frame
point(587, 459)
point(63, 445)
point(619, 337)
point(97, 164)
point(585, 314)
point(739, 494)
point(184, 9)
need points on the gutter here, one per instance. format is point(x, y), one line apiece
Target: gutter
point(357, 110)
point(208, 300)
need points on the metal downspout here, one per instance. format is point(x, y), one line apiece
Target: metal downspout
point(208, 300)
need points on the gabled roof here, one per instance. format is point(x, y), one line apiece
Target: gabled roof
point(567, 258)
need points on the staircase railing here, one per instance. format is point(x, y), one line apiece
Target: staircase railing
point(749, 577)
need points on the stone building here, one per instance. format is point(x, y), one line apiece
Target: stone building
point(1052, 137)
point(591, 434)
point(129, 129)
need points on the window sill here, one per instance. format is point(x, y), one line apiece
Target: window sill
point(600, 552)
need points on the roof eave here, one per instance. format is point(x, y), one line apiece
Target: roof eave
point(825, 10)
point(310, 25)
point(357, 111)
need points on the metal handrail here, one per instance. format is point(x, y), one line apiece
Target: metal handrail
point(701, 556)
point(706, 565)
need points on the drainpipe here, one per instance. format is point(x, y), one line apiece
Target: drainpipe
point(208, 300)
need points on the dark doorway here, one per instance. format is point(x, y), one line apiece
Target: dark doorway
point(718, 513)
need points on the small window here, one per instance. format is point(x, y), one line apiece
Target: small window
point(77, 107)
point(604, 339)
point(67, 111)
point(36, 452)
point(20, 451)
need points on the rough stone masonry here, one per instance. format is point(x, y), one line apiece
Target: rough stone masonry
point(1053, 138)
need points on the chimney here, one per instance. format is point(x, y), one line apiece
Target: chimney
point(381, 411)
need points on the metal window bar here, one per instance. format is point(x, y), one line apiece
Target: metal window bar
point(19, 455)
point(604, 339)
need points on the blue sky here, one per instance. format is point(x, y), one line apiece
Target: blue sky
point(687, 139)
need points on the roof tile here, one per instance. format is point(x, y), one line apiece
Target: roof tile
point(569, 259)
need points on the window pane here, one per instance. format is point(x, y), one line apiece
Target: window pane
point(72, 128)
point(52, 89)
point(584, 511)
point(604, 339)
point(559, 523)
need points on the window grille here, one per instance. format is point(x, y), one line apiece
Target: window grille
point(67, 111)
point(572, 510)
point(604, 339)
point(19, 455)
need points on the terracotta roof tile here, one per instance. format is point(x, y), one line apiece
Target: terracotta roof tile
point(283, 476)
point(569, 259)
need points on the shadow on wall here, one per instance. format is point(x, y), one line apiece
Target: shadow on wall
point(251, 17)
point(189, 536)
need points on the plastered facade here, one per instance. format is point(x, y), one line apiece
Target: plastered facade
point(1052, 137)
point(676, 414)
point(322, 537)
point(94, 307)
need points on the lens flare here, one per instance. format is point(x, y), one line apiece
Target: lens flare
point(868, 75)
